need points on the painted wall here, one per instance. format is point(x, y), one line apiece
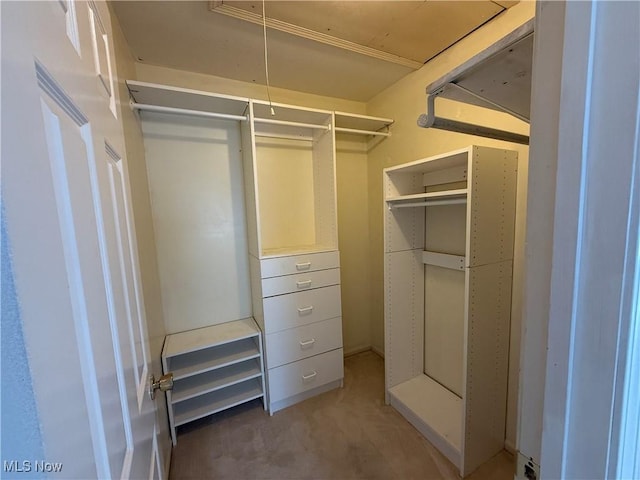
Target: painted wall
point(141, 206)
point(351, 180)
point(405, 101)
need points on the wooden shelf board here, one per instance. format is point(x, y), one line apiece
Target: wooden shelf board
point(436, 162)
point(443, 195)
point(195, 386)
point(291, 113)
point(204, 405)
point(211, 359)
point(361, 122)
point(176, 97)
point(434, 411)
point(295, 250)
point(193, 340)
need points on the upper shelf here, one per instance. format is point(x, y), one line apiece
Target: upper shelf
point(498, 78)
point(362, 124)
point(146, 94)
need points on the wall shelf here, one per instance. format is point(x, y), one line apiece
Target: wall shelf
point(446, 197)
point(362, 124)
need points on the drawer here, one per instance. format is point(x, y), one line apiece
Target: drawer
point(302, 308)
point(303, 375)
point(274, 267)
point(301, 281)
point(297, 343)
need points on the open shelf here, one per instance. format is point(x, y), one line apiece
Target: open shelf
point(195, 386)
point(444, 260)
point(446, 197)
point(212, 358)
point(186, 99)
point(434, 411)
point(216, 401)
point(362, 124)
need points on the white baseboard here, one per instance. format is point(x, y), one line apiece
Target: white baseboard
point(355, 350)
point(377, 350)
point(510, 446)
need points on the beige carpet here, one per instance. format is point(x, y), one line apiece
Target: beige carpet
point(344, 434)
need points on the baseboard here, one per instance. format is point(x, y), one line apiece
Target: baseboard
point(377, 350)
point(510, 446)
point(356, 350)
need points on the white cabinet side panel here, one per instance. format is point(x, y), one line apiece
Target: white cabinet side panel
point(404, 316)
point(248, 158)
point(196, 189)
point(487, 336)
point(444, 295)
point(492, 204)
point(404, 229)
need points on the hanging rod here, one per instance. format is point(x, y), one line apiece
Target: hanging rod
point(185, 111)
point(431, 203)
point(429, 120)
point(363, 132)
point(292, 124)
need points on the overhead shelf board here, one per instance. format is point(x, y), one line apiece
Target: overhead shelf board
point(363, 123)
point(183, 98)
point(500, 74)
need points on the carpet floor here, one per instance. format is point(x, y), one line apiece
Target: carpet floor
point(348, 433)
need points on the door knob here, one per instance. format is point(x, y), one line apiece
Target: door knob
point(164, 383)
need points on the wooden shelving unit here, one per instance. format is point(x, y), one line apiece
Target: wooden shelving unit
point(448, 264)
point(214, 368)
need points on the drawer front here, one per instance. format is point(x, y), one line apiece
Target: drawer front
point(274, 267)
point(299, 282)
point(297, 343)
point(298, 377)
point(302, 308)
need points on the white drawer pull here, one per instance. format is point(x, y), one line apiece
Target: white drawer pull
point(303, 284)
point(305, 310)
point(309, 376)
point(303, 266)
point(307, 343)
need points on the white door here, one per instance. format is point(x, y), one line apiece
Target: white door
point(65, 198)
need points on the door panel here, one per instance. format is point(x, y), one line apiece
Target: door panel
point(65, 198)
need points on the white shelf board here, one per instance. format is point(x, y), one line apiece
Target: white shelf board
point(195, 386)
point(457, 194)
point(176, 97)
point(431, 164)
point(290, 113)
point(444, 260)
point(361, 122)
point(213, 358)
point(217, 401)
point(193, 340)
point(296, 250)
point(434, 411)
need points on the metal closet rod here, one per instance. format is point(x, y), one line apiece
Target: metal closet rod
point(185, 111)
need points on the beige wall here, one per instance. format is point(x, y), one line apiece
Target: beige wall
point(405, 101)
point(140, 204)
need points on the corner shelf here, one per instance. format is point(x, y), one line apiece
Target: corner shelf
point(214, 368)
point(362, 124)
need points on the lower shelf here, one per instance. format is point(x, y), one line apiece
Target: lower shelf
point(216, 401)
point(434, 411)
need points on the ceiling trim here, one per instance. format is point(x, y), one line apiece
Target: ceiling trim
point(218, 6)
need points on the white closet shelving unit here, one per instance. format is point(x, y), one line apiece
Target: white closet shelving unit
point(290, 191)
point(449, 229)
point(289, 164)
point(214, 368)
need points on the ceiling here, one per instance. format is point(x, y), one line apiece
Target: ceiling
point(344, 49)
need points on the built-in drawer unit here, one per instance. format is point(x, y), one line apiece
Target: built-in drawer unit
point(301, 376)
point(295, 344)
point(277, 266)
point(299, 282)
point(301, 308)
